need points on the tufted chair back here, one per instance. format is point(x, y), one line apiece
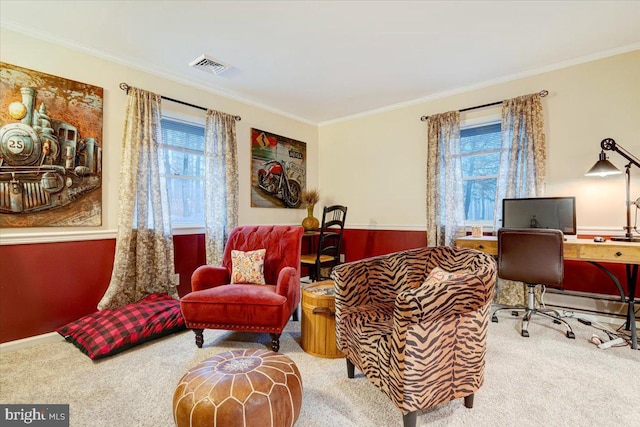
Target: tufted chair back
point(280, 242)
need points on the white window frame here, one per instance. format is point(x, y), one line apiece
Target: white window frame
point(470, 124)
point(184, 228)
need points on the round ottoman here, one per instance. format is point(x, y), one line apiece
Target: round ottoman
point(241, 388)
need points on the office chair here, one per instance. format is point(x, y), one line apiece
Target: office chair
point(533, 256)
point(328, 250)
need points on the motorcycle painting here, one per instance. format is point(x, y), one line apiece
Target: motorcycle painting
point(278, 169)
point(274, 180)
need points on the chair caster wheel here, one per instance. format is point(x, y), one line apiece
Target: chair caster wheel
point(525, 334)
point(556, 321)
point(514, 313)
point(494, 318)
point(571, 335)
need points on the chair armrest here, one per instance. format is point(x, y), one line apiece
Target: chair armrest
point(427, 319)
point(289, 285)
point(208, 276)
point(439, 331)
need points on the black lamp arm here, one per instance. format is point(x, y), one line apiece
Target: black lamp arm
point(610, 145)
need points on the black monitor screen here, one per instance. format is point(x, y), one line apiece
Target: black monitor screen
point(540, 212)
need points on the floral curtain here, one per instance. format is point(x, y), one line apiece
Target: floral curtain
point(522, 169)
point(445, 205)
point(220, 183)
point(144, 261)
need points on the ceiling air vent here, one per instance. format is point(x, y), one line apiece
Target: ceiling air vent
point(209, 64)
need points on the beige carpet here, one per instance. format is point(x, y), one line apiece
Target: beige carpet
point(545, 380)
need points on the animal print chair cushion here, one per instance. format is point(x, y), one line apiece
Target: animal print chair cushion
point(248, 267)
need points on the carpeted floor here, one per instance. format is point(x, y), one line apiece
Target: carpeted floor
point(545, 380)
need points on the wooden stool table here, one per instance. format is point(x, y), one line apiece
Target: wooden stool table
point(318, 320)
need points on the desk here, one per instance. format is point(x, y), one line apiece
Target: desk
point(587, 250)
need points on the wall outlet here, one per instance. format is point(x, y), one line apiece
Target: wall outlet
point(341, 257)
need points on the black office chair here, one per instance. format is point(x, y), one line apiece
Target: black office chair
point(533, 256)
point(328, 250)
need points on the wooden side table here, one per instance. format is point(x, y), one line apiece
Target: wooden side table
point(318, 320)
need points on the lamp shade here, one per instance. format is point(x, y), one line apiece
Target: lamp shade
point(603, 167)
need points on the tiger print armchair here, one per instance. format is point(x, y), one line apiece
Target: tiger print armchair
point(415, 323)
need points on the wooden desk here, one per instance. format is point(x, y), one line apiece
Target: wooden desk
point(575, 250)
point(587, 250)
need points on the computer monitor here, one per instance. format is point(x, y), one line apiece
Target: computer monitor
point(541, 212)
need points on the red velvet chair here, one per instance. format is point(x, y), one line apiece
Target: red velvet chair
point(215, 303)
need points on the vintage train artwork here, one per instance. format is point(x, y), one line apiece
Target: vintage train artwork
point(45, 162)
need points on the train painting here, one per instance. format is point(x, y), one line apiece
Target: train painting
point(50, 166)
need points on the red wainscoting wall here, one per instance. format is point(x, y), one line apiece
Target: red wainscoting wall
point(46, 285)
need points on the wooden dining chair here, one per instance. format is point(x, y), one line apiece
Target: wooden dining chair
point(327, 253)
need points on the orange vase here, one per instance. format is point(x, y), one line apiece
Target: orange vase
point(310, 223)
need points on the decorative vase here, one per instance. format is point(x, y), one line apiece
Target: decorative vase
point(310, 223)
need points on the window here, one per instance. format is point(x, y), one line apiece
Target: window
point(183, 151)
point(480, 155)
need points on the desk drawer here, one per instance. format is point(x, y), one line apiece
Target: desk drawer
point(487, 246)
point(610, 253)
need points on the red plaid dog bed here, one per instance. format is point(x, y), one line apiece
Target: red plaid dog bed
point(111, 331)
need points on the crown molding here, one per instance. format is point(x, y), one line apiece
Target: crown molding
point(488, 83)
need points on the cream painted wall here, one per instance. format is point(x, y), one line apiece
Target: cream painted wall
point(375, 164)
point(39, 55)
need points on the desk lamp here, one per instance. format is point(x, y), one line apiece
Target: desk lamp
point(604, 167)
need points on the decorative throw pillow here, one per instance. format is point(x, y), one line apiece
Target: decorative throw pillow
point(111, 331)
point(438, 275)
point(248, 267)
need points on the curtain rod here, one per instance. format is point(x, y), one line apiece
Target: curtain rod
point(542, 93)
point(125, 87)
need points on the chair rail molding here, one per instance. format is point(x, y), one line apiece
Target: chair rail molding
point(55, 236)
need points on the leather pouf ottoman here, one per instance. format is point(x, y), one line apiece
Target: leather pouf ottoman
point(243, 388)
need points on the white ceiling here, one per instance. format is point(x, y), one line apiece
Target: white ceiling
point(325, 60)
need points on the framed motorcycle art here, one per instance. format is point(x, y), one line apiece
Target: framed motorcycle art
point(278, 170)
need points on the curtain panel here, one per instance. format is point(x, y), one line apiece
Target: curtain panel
point(144, 258)
point(445, 215)
point(523, 155)
point(522, 170)
point(220, 183)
